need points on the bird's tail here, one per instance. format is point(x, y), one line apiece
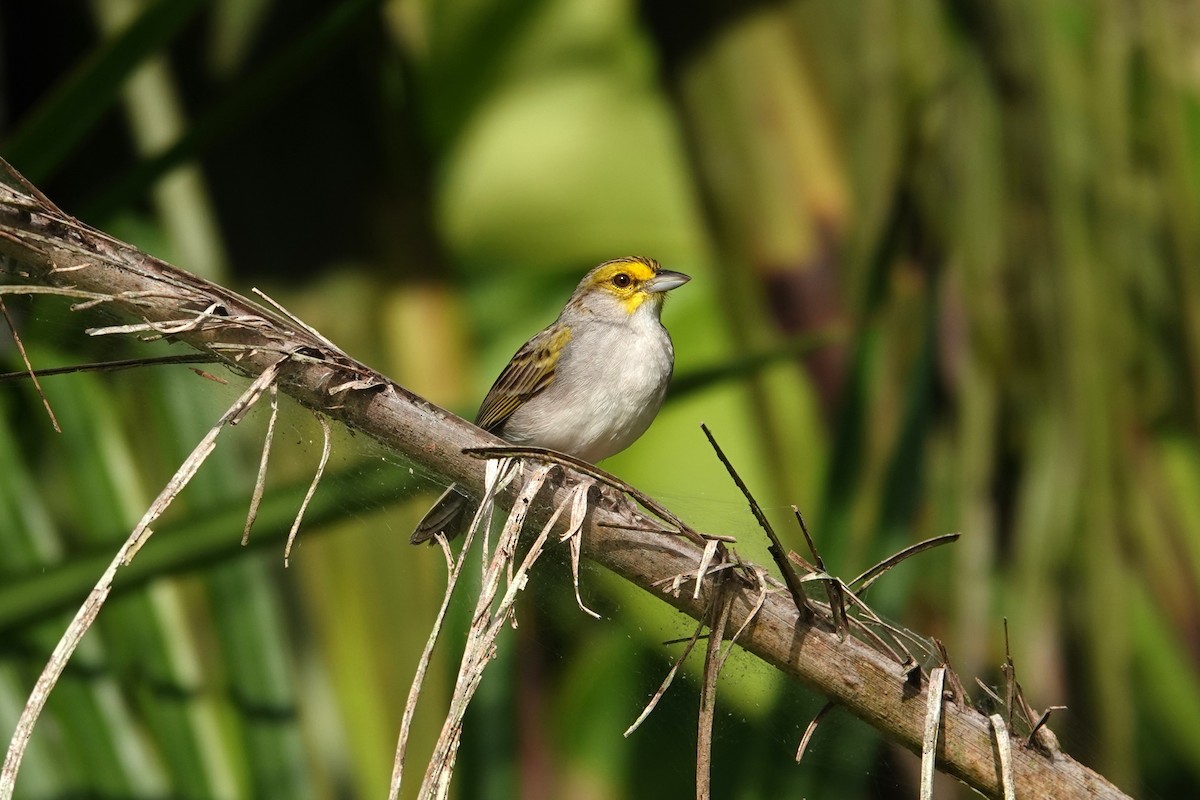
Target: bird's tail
point(448, 516)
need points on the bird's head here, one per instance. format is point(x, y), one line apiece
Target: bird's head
point(627, 285)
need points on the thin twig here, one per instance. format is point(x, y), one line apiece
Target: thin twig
point(260, 480)
point(87, 305)
point(666, 683)
point(1009, 669)
point(23, 289)
point(933, 721)
point(902, 637)
point(764, 589)
point(710, 551)
point(312, 488)
point(304, 326)
point(25, 184)
point(484, 522)
point(204, 320)
point(1004, 756)
point(957, 691)
point(873, 639)
point(812, 547)
point(1041, 723)
point(676, 581)
point(721, 609)
point(897, 633)
point(802, 562)
point(414, 691)
point(624, 526)
point(574, 537)
point(1027, 711)
point(833, 588)
point(682, 639)
point(778, 553)
point(29, 367)
point(991, 693)
point(110, 366)
point(877, 571)
point(812, 728)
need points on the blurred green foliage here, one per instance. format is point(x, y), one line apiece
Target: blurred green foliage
point(986, 213)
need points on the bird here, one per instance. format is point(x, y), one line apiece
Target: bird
point(589, 384)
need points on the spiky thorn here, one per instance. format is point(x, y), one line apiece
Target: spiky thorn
point(876, 572)
point(776, 549)
point(833, 588)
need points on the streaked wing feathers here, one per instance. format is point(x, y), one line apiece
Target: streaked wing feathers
point(530, 371)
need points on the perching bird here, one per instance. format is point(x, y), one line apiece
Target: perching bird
point(589, 385)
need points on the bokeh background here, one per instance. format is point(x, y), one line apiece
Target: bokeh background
point(947, 278)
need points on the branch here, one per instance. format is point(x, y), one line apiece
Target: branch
point(48, 248)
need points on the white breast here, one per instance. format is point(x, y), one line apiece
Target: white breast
point(609, 385)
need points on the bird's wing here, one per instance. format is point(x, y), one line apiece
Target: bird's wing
point(530, 371)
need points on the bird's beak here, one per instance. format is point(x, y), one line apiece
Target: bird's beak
point(665, 281)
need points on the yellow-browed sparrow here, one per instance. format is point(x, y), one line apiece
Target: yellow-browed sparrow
point(590, 384)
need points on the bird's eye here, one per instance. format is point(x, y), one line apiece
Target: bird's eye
point(621, 280)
